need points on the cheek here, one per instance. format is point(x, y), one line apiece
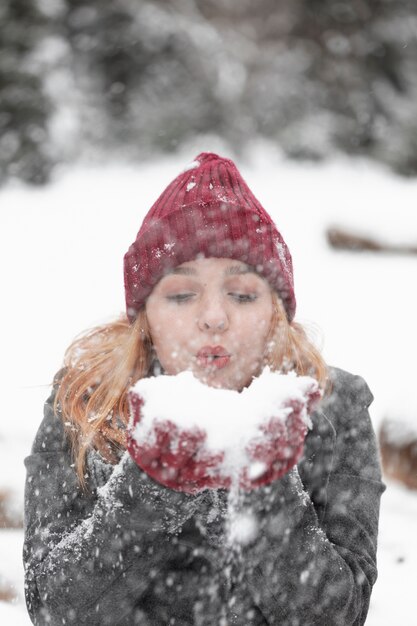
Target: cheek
point(165, 321)
point(253, 327)
point(168, 343)
point(169, 352)
point(171, 340)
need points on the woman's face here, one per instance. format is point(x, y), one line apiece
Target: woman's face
point(211, 316)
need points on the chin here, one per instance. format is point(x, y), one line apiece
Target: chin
point(223, 383)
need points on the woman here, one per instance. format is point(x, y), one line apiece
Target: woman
point(209, 288)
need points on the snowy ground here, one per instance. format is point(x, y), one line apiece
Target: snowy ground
point(61, 252)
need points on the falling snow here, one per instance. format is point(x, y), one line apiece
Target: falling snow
point(316, 269)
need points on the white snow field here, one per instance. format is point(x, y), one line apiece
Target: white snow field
point(61, 251)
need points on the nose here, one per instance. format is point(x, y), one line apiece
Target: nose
point(213, 316)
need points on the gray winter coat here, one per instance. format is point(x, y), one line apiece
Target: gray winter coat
point(131, 551)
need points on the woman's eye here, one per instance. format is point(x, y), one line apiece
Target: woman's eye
point(244, 297)
point(180, 297)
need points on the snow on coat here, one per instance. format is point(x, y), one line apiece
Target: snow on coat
point(131, 551)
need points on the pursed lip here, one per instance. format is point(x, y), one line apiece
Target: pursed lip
point(213, 358)
point(212, 351)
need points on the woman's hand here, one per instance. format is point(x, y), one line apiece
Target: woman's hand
point(278, 448)
point(180, 458)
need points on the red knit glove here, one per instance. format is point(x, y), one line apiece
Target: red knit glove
point(179, 459)
point(280, 445)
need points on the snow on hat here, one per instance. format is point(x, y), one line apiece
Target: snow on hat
point(206, 211)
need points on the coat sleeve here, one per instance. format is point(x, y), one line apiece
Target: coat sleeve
point(89, 556)
point(302, 570)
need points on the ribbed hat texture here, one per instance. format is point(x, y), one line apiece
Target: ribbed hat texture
point(208, 210)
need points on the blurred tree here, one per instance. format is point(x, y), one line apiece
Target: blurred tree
point(132, 77)
point(24, 108)
point(368, 84)
point(326, 75)
point(142, 63)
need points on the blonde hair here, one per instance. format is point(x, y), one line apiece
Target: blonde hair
point(290, 349)
point(102, 364)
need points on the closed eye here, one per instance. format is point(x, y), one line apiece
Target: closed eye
point(243, 297)
point(180, 297)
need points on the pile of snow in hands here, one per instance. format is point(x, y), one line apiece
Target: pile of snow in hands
point(231, 420)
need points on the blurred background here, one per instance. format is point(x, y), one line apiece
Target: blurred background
point(103, 102)
point(127, 78)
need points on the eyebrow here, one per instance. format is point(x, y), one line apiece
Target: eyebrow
point(187, 271)
point(232, 270)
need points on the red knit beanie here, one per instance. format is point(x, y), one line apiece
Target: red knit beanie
point(209, 211)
